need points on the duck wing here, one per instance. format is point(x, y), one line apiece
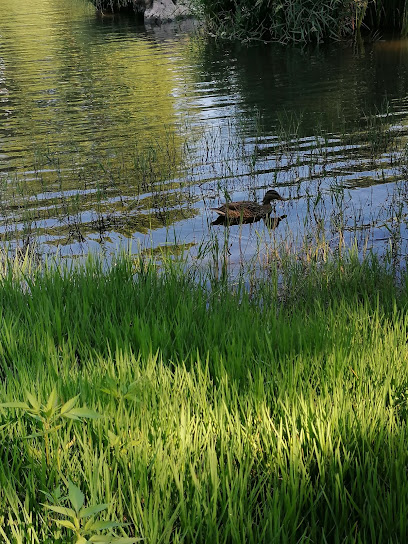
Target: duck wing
point(233, 209)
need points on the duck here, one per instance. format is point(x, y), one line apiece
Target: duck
point(247, 211)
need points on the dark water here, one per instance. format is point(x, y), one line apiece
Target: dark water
point(112, 133)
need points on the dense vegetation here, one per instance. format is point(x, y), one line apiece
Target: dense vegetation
point(300, 20)
point(290, 21)
point(193, 410)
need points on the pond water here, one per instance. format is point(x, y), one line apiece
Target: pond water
point(113, 133)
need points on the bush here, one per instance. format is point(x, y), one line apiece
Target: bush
point(299, 20)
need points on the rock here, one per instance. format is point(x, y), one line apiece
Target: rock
point(161, 11)
point(154, 11)
point(169, 30)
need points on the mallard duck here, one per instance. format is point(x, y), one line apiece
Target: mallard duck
point(247, 211)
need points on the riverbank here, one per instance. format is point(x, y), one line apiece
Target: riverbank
point(204, 410)
point(291, 21)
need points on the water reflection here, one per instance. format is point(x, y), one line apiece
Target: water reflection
point(331, 86)
point(270, 222)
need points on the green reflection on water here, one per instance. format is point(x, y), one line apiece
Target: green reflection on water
point(88, 107)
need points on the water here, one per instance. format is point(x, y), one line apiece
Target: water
point(113, 133)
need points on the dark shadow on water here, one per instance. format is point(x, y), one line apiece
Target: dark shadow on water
point(333, 86)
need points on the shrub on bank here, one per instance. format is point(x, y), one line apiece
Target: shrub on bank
point(301, 20)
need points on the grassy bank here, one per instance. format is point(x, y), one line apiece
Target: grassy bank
point(206, 412)
point(291, 21)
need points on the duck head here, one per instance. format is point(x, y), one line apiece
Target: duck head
point(272, 195)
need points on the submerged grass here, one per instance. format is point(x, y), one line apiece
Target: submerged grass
point(275, 415)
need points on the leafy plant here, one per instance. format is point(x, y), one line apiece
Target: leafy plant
point(50, 414)
point(81, 521)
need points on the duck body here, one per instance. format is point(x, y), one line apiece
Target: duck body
point(247, 211)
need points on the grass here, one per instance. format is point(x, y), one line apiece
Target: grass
point(275, 414)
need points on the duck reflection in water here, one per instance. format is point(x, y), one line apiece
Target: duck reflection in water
point(270, 222)
point(236, 213)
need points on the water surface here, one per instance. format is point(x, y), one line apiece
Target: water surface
point(114, 133)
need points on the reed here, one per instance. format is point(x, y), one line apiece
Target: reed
point(292, 21)
point(386, 14)
point(210, 412)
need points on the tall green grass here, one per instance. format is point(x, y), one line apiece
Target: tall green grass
point(275, 414)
